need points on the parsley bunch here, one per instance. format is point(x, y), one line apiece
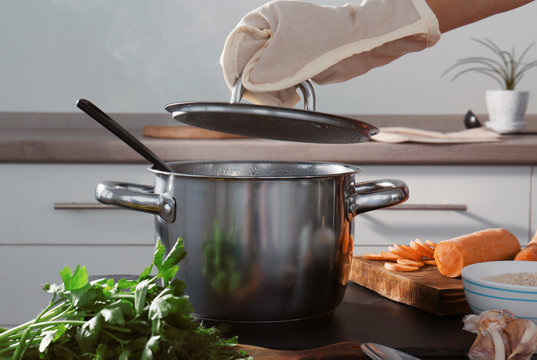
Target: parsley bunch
point(149, 318)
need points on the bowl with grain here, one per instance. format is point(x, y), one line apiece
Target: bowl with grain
point(502, 285)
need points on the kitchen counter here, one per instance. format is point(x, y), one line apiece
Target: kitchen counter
point(365, 316)
point(26, 138)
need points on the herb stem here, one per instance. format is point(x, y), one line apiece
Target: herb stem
point(70, 352)
point(19, 351)
point(57, 322)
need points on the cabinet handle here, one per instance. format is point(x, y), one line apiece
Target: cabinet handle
point(83, 206)
point(434, 207)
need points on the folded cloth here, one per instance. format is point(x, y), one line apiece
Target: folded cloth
point(400, 134)
point(283, 43)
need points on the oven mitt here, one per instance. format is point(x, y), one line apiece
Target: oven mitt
point(283, 43)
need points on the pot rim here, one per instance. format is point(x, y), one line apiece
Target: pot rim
point(328, 169)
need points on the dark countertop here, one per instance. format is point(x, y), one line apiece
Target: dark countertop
point(75, 138)
point(365, 316)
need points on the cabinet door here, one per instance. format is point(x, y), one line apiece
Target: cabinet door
point(23, 269)
point(482, 196)
point(28, 214)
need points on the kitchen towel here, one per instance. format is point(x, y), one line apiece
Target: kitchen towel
point(283, 43)
point(396, 135)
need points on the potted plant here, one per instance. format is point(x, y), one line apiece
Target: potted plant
point(506, 107)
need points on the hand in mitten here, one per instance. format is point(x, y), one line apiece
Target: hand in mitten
point(283, 43)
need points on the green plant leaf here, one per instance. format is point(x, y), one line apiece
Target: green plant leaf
point(76, 280)
point(152, 347)
point(166, 305)
point(113, 315)
point(84, 297)
point(140, 296)
point(100, 352)
point(158, 255)
point(88, 335)
point(51, 336)
point(508, 70)
point(176, 254)
point(124, 355)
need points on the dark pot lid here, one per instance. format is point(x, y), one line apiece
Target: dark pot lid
point(273, 122)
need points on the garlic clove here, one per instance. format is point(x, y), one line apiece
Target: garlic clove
point(522, 336)
point(482, 348)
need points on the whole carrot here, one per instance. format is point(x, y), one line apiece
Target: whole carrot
point(485, 245)
point(529, 253)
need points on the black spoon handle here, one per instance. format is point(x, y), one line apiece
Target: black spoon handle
point(102, 118)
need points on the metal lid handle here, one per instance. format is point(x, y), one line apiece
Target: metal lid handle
point(308, 93)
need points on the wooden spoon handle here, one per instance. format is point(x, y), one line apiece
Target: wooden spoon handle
point(343, 350)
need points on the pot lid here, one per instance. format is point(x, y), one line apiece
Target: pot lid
point(273, 122)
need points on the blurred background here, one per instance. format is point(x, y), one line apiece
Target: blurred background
point(135, 56)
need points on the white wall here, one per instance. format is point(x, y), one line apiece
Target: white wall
point(137, 56)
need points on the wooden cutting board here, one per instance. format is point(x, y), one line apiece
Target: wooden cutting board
point(185, 132)
point(425, 289)
point(343, 350)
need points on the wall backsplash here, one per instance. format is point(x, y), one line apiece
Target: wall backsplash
point(136, 56)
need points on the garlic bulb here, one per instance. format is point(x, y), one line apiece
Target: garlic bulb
point(489, 324)
point(501, 336)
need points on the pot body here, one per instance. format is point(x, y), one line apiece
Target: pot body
point(265, 242)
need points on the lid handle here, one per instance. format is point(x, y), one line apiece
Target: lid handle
point(305, 87)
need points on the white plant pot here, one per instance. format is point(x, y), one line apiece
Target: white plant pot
point(506, 110)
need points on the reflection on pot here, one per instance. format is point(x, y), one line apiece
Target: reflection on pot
point(344, 254)
point(220, 251)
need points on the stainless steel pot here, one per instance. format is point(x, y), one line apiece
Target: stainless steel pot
point(265, 241)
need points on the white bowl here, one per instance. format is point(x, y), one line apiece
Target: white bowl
point(484, 295)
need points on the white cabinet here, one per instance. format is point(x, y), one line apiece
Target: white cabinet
point(23, 269)
point(493, 196)
point(31, 191)
point(37, 240)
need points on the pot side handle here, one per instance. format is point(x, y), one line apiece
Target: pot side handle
point(136, 197)
point(376, 194)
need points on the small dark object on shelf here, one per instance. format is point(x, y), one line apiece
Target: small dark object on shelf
point(471, 121)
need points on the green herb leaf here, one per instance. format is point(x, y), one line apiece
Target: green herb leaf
point(124, 355)
point(76, 280)
point(113, 315)
point(88, 335)
point(104, 319)
point(152, 347)
point(85, 297)
point(176, 254)
point(140, 295)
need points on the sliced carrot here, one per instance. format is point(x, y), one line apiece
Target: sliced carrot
point(430, 243)
point(408, 254)
point(410, 250)
point(430, 262)
point(425, 247)
point(485, 245)
point(389, 256)
point(397, 252)
point(399, 267)
point(422, 251)
point(373, 256)
point(410, 262)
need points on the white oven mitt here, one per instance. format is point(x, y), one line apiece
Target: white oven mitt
point(283, 43)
